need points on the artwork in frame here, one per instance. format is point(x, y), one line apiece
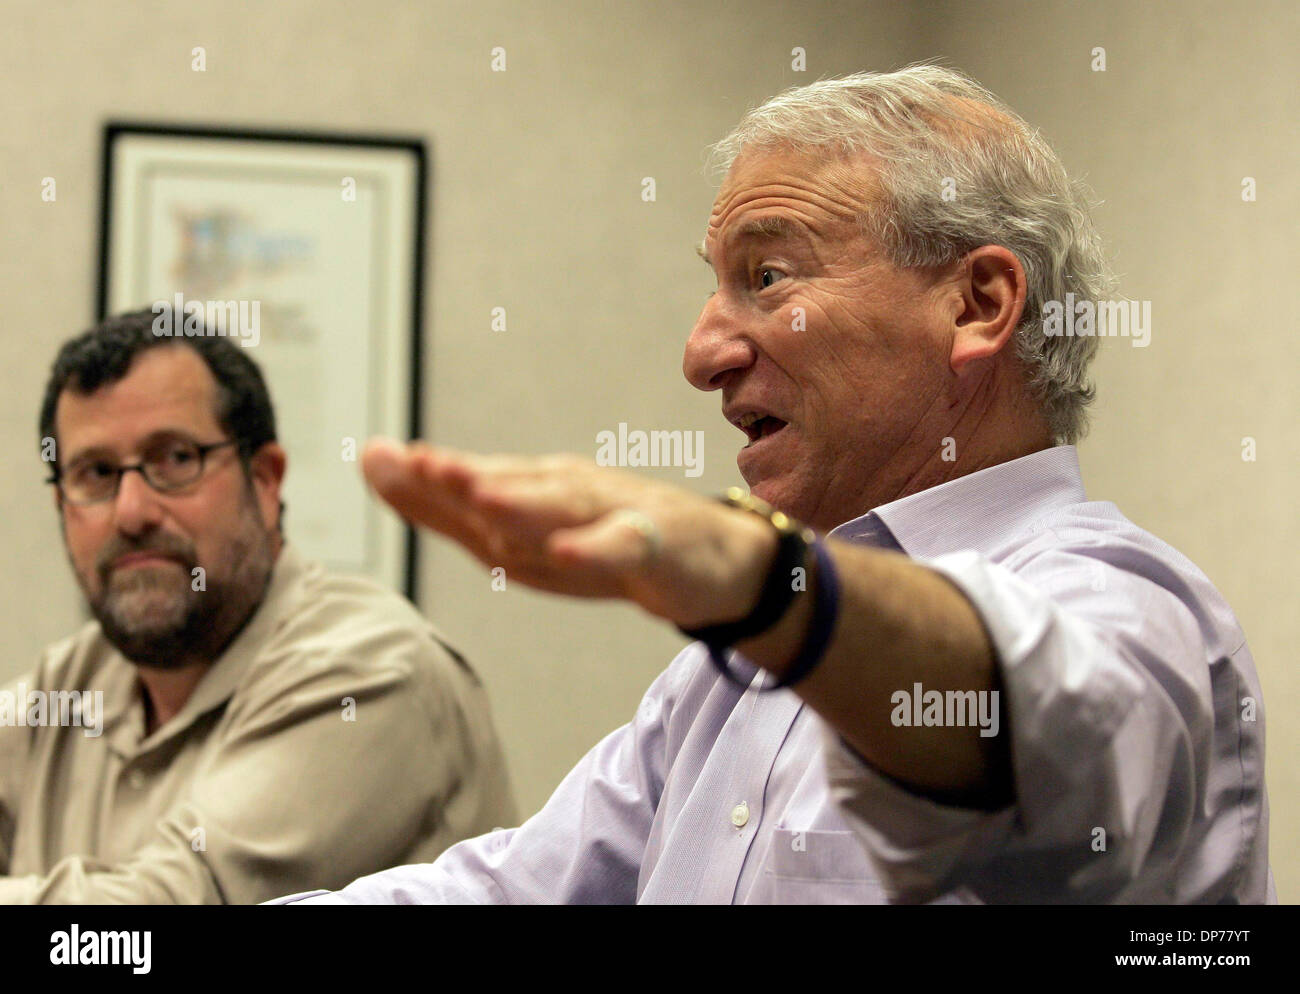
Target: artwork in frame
point(308, 250)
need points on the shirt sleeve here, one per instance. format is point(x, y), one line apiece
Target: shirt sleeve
point(300, 791)
point(1107, 699)
point(585, 846)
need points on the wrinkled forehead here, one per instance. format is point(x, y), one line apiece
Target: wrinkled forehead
point(815, 186)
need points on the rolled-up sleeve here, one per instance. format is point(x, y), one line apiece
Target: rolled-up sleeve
point(1106, 696)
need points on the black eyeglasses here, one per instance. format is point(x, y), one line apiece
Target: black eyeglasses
point(169, 464)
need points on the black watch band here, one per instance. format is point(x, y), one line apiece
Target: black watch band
point(793, 543)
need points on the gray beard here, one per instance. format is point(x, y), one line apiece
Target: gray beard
point(155, 618)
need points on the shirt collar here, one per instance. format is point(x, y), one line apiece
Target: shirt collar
point(978, 511)
point(220, 681)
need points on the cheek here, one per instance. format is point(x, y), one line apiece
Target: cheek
point(814, 324)
point(805, 344)
point(210, 522)
point(84, 540)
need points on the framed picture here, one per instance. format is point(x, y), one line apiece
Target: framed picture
point(310, 249)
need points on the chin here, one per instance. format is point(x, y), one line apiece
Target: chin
point(770, 489)
point(146, 616)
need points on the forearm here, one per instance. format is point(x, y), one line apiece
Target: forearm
point(565, 525)
point(173, 877)
point(899, 625)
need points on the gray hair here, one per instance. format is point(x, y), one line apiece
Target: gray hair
point(933, 129)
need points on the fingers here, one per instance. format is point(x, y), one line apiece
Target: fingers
point(533, 506)
point(528, 496)
point(423, 490)
point(555, 522)
point(384, 464)
point(401, 479)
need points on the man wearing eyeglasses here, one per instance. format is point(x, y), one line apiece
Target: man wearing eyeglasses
point(236, 721)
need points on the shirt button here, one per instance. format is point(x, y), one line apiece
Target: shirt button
point(136, 779)
point(740, 814)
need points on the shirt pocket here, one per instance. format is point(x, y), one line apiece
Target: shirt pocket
point(820, 867)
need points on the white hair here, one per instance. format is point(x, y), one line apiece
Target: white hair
point(933, 129)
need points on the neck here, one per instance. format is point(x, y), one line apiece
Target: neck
point(166, 691)
point(991, 425)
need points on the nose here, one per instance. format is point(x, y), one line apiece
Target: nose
point(715, 347)
point(136, 508)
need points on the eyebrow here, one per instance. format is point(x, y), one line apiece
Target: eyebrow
point(759, 227)
point(153, 438)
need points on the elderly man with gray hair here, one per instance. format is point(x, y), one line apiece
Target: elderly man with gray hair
point(927, 667)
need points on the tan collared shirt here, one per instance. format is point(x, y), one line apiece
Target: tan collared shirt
point(336, 736)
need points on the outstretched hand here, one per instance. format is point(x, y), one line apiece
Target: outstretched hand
point(565, 525)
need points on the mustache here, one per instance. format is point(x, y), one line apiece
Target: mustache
point(171, 546)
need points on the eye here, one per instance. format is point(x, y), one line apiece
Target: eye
point(179, 454)
point(90, 471)
point(767, 277)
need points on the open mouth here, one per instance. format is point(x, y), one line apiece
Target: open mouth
point(757, 426)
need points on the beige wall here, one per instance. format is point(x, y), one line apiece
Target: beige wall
point(536, 208)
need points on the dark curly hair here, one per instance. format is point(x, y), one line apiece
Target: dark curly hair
point(104, 354)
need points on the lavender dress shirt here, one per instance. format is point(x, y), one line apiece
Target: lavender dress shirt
point(1131, 700)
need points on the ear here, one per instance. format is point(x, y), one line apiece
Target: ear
point(992, 285)
point(266, 469)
